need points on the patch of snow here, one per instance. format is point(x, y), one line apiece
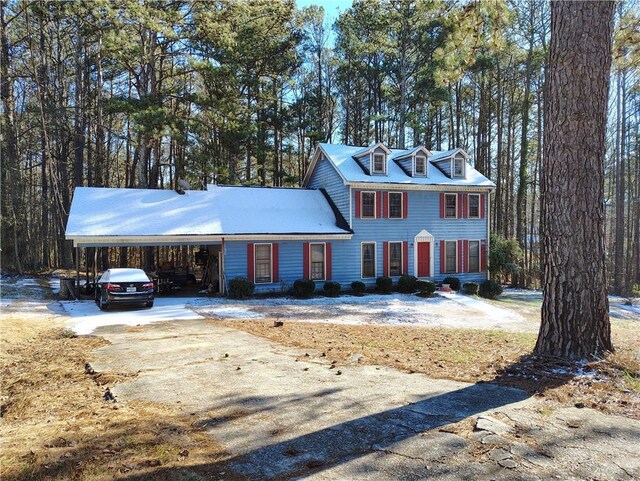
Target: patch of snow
point(86, 317)
point(231, 312)
point(496, 313)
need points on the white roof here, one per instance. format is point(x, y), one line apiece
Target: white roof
point(223, 211)
point(342, 157)
point(122, 274)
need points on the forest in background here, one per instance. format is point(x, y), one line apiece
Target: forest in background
point(128, 93)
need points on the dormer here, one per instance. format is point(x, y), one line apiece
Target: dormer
point(373, 159)
point(414, 162)
point(453, 163)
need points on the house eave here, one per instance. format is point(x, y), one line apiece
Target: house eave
point(432, 187)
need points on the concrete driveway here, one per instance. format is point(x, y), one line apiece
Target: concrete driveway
point(284, 413)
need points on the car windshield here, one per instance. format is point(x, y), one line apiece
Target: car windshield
point(125, 275)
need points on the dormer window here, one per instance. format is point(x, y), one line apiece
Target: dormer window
point(458, 166)
point(421, 165)
point(379, 164)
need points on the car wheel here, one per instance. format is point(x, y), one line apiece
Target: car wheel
point(149, 304)
point(103, 304)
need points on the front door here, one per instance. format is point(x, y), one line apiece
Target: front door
point(424, 255)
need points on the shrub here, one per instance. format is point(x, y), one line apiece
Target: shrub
point(426, 288)
point(490, 289)
point(358, 288)
point(505, 256)
point(332, 289)
point(384, 284)
point(304, 288)
point(470, 287)
point(454, 283)
point(240, 288)
point(407, 284)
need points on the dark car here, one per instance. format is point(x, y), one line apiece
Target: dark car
point(124, 286)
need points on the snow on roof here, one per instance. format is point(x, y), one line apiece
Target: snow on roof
point(342, 157)
point(97, 211)
point(401, 154)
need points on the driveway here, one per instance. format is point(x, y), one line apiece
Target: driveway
point(284, 413)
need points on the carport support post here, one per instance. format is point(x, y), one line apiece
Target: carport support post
point(78, 269)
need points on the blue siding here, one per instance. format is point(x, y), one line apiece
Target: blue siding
point(406, 164)
point(326, 177)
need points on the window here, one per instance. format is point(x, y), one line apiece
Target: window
point(474, 206)
point(317, 256)
point(395, 205)
point(450, 256)
point(421, 165)
point(368, 205)
point(474, 256)
point(458, 166)
point(378, 164)
point(368, 259)
point(450, 206)
point(395, 258)
point(263, 263)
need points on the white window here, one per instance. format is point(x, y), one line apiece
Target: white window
point(451, 259)
point(474, 206)
point(379, 164)
point(450, 206)
point(395, 258)
point(368, 207)
point(474, 256)
point(458, 166)
point(263, 263)
point(317, 259)
point(368, 259)
point(395, 205)
point(421, 165)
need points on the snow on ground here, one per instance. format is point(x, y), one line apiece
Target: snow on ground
point(86, 317)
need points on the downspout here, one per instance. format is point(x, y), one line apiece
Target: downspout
point(223, 282)
point(488, 232)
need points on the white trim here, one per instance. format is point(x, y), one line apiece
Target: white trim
point(468, 206)
point(426, 166)
point(407, 186)
point(324, 260)
point(375, 204)
point(372, 160)
point(312, 167)
point(351, 213)
point(159, 240)
point(388, 214)
point(445, 257)
point(255, 271)
point(488, 234)
point(445, 205)
point(464, 168)
point(389, 258)
point(432, 246)
point(479, 241)
point(375, 259)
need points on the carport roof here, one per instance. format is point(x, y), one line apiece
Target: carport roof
point(110, 216)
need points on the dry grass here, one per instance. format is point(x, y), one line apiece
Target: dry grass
point(473, 355)
point(57, 425)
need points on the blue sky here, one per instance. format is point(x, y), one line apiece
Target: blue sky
point(332, 8)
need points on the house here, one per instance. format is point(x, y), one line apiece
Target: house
point(362, 212)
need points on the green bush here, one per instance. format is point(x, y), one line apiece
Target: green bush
point(407, 284)
point(332, 289)
point(426, 287)
point(454, 283)
point(505, 256)
point(384, 284)
point(304, 288)
point(470, 288)
point(240, 288)
point(358, 288)
point(490, 289)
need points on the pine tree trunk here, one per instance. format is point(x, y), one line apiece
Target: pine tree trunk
point(575, 308)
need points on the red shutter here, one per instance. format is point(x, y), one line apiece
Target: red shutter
point(465, 249)
point(250, 263)
point(405, 258)
point(327, 261)
point(305, 260)
point(442, 256)
point(461, 211)
point(483, 256)
point(385, 259)
point(460, 256)
point(358, 204)
point(385, 204)
point(275, 262)
point(378, 204)
point(405, 205)
point(441, 205)
point(482, 207)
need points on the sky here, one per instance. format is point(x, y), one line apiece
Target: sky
point(332, 8)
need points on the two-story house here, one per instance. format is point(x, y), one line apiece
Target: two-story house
point(362, 212)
